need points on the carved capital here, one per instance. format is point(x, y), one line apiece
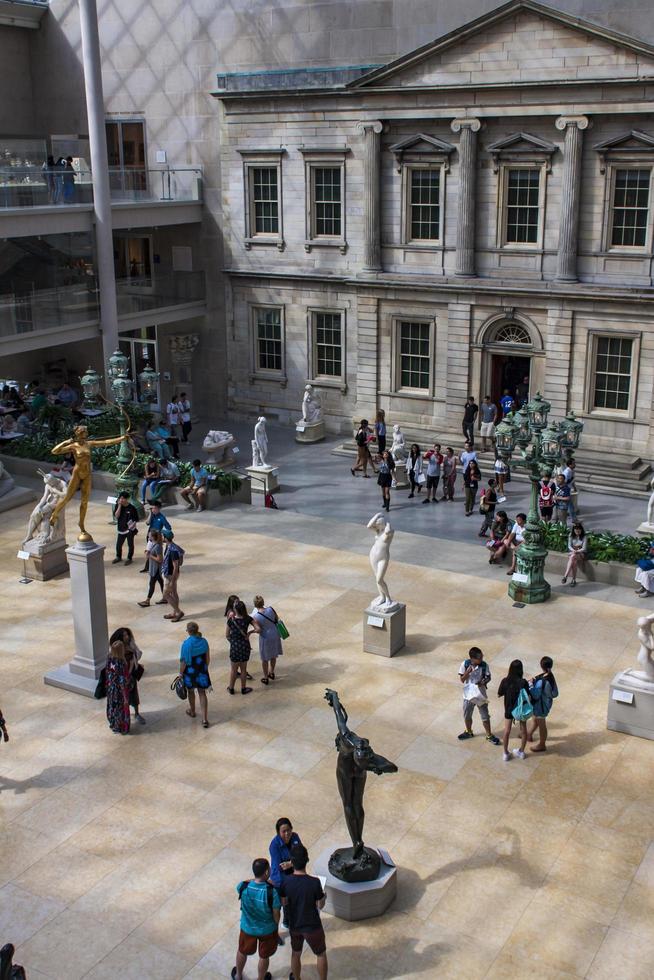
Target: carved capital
point(182, 346)
point(375, 125)
point(458, 124)
point(581, 122)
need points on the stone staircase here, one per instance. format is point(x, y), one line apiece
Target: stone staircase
point(612, 472)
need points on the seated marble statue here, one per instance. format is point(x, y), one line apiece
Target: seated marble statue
point(311, 406)
point(217, 439)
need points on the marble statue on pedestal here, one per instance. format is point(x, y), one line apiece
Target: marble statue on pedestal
point(256, 456)
point(380, 555)
point(311, 406)
point(6, 481)
point(398, 448)
point(645, 653)
point(261, 440)
point(355, 760)
point(39, 528)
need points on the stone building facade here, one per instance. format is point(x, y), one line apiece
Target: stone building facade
point(475, 212)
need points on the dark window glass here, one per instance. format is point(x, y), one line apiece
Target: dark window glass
point(265, 200)
point(269, 339)
point(630, 208)
point(522, 200)
point(425, 204)
point(329, 350)
point(612, 373)
point(327, 201)
point(414, 355)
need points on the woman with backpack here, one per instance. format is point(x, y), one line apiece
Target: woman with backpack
point(270, 642)
point(237, 631)
point(543, 690)
point(517, 707)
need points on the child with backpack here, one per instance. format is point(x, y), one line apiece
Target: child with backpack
point(475, 676)
point(543, 690)
point(546, 498)
point(517, 707)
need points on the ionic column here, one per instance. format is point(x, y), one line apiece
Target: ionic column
point(570, 194)
point(371, 130)
point(465, 231)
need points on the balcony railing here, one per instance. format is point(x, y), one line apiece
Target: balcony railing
point(145, 294)
point(28, 187)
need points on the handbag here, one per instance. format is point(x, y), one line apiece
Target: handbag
point(139, 672)
point(420, 479)
point(179, 687)
point(101, 687)
point(281, 629)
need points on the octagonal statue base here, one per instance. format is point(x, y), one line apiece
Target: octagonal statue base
point(359, 899)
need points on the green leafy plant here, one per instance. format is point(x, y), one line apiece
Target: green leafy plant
point(602, 545)
point(58, 419)
point(30, 447)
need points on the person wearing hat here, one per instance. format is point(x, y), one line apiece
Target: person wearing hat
point(170, 567)
point(126, 517)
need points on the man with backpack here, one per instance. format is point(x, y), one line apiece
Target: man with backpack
point(173, 560)
point(475, 676)
point(260, 911)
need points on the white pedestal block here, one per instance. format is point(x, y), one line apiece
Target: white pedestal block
point(631, 704)
point(47, 560)
point(384, 631)
point(401, 479)
point(87, 585)
point(263, 479)
point(310, 431)
point(361, 899)
point(645, 528)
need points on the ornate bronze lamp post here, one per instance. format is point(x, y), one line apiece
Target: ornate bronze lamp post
point(90, 383)
point(121, 388)
point(542, 447)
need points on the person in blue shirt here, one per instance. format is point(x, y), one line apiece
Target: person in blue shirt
point(260, 905)
point(506, 402)
point(157, 521)
point(280, 850)
point(157, 444)
point(194, 658)
point(195, 494)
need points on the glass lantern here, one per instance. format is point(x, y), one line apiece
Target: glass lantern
point(505, 437)
point(122, 389)
point(538, 410)
point(90, 383)
point(550, 445)
point(523, 431)
point(571, 429)
point(148, 380)
point(118, 365)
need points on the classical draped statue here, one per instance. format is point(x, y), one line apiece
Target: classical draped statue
point(261, 440)
point(38, 526)
point(311, 406)
point(646, 651)
point(355, 760)
point(398, 448)
point(80, 447)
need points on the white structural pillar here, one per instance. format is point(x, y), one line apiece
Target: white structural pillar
point(104, 246)
point(89, 601)
point(371, 130)
point(466, 224)
point(570, 194)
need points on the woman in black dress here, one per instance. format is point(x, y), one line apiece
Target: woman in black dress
point(385, 478)
point(238, 628)
point(509, 688)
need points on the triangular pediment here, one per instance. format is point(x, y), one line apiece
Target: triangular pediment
point(522, 143)
point(420, 143)
point(633, 140)
point(521, 41)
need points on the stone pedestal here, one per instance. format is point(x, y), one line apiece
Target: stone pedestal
point(646, 529)
point(47, 559)
point(309, 431)
point(631, 704)
point(263, 479)
point(357, 900)
point(384, 630)
point(87, 586)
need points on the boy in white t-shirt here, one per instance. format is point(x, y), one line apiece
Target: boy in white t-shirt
point(475, 670)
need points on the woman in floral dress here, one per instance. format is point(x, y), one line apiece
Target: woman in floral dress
point(118, 687)
point(237, 630)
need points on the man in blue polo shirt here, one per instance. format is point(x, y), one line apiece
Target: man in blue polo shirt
point(195, 494)
point(260, 908)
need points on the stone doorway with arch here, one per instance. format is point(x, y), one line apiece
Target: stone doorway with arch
point(511, 358)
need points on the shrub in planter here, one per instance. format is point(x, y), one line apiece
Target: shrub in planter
point(602, 545)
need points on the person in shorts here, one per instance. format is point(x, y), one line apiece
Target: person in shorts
point(434, 460)
point(475, 670)
point(487, 417)
point(260, 911)
point(302, 894)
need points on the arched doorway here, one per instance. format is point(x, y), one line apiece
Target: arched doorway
point(508, 350)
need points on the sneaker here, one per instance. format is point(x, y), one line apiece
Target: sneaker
point(564, 580)
point(435, 500)
point(493, 739)
point(140, 719)
point(427, 501)
point(116, 561)
point(465, 735)
point(519, 754)
point(129, 561)
point(506, 756)
point(142, 571)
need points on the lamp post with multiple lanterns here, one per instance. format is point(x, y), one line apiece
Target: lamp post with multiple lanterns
point(543, 446)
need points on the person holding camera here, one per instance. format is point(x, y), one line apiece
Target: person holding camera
point(126, 517)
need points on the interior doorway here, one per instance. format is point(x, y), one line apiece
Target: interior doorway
point(512, 372)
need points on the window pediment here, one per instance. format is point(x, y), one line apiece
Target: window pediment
point(521, 147)
point(630, 146)
point(422, 147)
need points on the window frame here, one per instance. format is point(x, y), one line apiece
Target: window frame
point(611, 413)
point(316, 159)
point(505, 168)
point(257, 160)
point(611, 173)
point(396, 357)
point(408, 169)
point(258, 372)
point(325, 380)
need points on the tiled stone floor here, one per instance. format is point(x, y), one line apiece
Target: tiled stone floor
point(119, 856)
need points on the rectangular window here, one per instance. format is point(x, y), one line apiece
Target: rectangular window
point(414, 354)
point(425, 205)
point(522, 208)
point(630, 208)
point(328, 345)
point(268, 339)
point(327, 201)
point(265, 200)
point(612, 381)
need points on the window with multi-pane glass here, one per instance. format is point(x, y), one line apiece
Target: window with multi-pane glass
point(425, 204)
point(268, 323)
point(630, 208)
point(265, 200)
point(328, 344)
point(522, 205)
point(414, 354)
point(612, 385)
point(327, 203)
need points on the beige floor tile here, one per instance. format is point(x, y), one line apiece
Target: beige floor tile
point(625, 956)
point(65, 873)
point(23, 913)
point(432, 757)
point(69, 945)
point(570, 947)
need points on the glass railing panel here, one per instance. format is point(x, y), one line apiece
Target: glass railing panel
point(45, 309)
point(140, 295)
point(27, 187)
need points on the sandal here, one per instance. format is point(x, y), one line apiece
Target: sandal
point(143, 605)
point(190, 713)
point(271, 676)
point(205, 724)
point(264, 680)
point(231, 690)
point(176, 619)
point(248, 676)
point(246, 690)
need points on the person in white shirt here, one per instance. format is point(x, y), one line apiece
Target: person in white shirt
point(467, 456)
point(173, 415)
point(184, 406)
